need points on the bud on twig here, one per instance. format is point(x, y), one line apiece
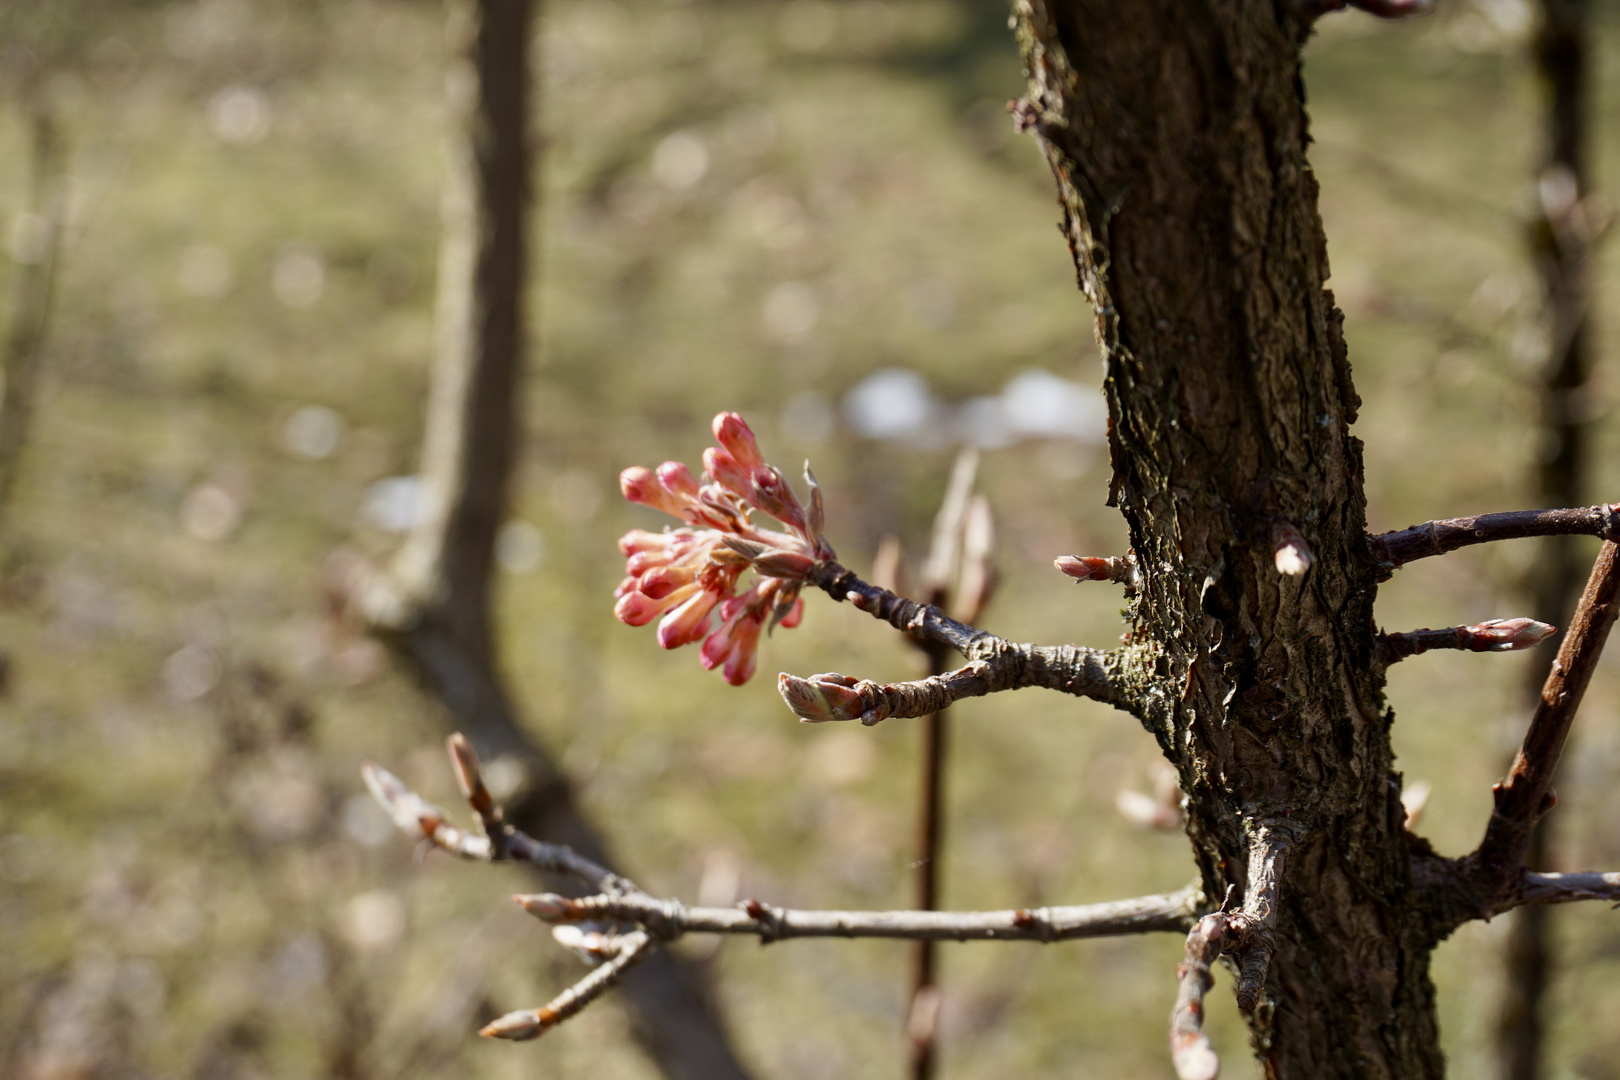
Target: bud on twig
point(820, 698)
point(1291, 554)
point(1095, 568)
point(1508, 635)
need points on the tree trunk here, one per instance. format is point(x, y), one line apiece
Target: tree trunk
point(434, 605)
point(1177, 134)
point(1559, 242)
point(33, 287)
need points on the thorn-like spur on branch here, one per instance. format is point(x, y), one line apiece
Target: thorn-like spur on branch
point(1072, 669)
point(532, 1023)
point(1526, 794)
point(1116, 568)
point(421, 820)
point(1396, 549)
point(1493, 635)
point(669, 919)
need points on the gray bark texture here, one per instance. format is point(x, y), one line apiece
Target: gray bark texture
point(433, 605)
point(1177, 135)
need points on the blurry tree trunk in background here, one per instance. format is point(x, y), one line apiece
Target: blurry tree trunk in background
point(434, 607)
point(36, 245)
point(1560, 239)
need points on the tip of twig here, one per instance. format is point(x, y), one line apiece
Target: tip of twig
point(520, 1025)
point(821, 698)
point(412, 814)
point(1509, 635)
point(548, 907)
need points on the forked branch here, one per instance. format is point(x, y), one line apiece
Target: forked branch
point(1395, 549)
point(1249, 933)
point(622, 924)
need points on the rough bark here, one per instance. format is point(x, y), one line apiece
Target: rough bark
point(1558, 246)
point(433, 606)
point(1177, 135)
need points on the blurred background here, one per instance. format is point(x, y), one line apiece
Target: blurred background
point(814, 213)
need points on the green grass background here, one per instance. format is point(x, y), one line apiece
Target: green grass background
point(192, 887)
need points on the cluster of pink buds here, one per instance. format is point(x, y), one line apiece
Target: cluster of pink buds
point(686, 575)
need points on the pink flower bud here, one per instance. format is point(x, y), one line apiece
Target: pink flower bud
point(794, 616)
point(637, 541)
point(639, 609)
point(677, 479)
point(1083, 567)
point(773, 495)
point(732, 433)
point(643, 561)
point(688, 622)
point(724, 470)
point(639, 485)
point(660, 582)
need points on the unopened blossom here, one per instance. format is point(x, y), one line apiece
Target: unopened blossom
point(687, 578)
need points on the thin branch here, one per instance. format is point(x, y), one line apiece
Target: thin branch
point(908, 616)
point(658, 921)
point(1493, 635)
point(1526, 794)
point(1072, 669)
point(670, 919)
point(420, 819)
point(1396, 549)
point(1566, 888)
point(634, 947)
point(1190, 1049)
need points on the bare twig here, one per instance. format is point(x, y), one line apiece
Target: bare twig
point(1396, 549)
point(1566, 888)
point(1072, 669)
point(418, 818)
point(530, 1023)
point(669, 919)
point(920, 620)
point(1493, 635)
point(1190, 1049)
point(1526, 794)
point(657, 922)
